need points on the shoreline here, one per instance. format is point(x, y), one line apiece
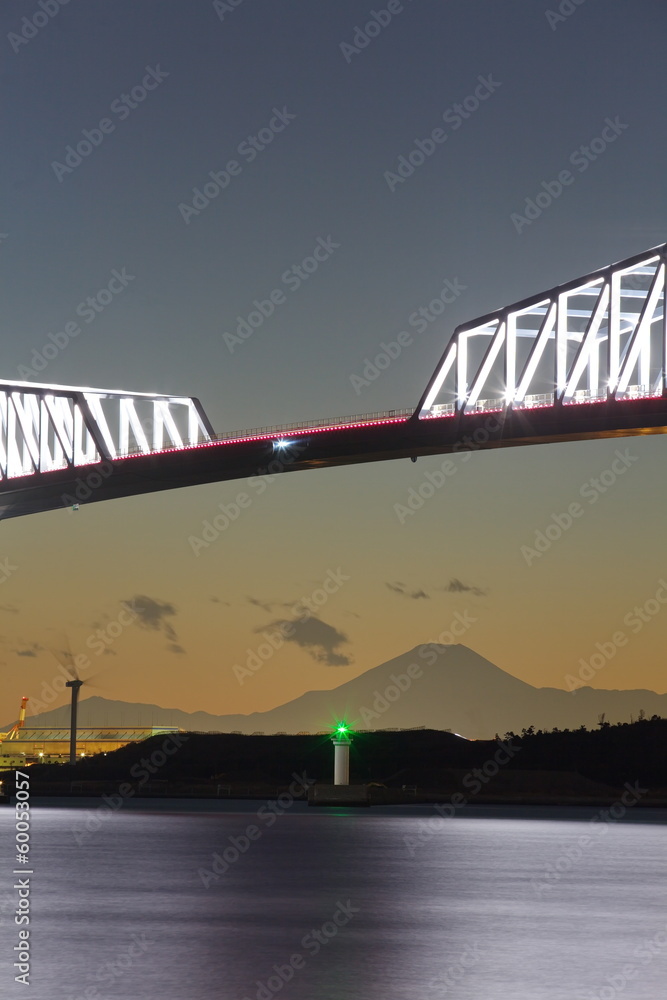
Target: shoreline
point(422, 800)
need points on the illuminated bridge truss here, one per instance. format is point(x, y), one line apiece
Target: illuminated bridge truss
point(600, 338)
point(46, 428)
point(584, 361)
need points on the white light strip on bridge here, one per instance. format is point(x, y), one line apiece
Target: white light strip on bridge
point(641, 337)
point(494, 350)
point(44, 428)
point(102, 393)
point(589, 352)
point(544, 335)
point(445, 369)
point(606, 341)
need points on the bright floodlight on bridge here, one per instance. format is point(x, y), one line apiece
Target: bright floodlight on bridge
point(281, 444)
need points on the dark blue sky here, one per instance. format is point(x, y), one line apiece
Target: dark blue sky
point(222, 75)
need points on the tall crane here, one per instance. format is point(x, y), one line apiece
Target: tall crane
point(13, 733)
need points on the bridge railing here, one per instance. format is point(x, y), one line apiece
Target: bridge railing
point(533, 401)
point(542, 399)
point(271, 430)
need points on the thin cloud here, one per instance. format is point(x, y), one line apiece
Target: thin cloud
point(456, 586)
point(402, 591)
point(154, 616)
point(29, 649)
point(267, 606)
point(321, 641)
point(272, 606)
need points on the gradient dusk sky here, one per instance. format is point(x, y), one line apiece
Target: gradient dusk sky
point(343, 113)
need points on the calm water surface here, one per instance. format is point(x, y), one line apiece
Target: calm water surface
point(338, 905)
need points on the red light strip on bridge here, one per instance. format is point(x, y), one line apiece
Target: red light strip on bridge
point(308, 431)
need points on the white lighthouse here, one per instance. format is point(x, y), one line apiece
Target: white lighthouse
point(342, 742)
point(341, 792)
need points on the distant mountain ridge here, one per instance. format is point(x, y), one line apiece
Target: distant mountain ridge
point(438, 687)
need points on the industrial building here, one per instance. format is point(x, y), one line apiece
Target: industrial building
point(21, 746)
point(49, 746)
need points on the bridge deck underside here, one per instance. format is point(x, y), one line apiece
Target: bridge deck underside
point(235, 460)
